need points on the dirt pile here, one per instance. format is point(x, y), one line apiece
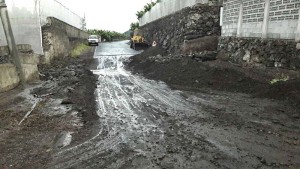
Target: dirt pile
point(185, 72)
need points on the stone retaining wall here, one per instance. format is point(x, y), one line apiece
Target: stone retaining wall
point(190, 23)
point(56, 39)
point(72, 32)
point(260, 52)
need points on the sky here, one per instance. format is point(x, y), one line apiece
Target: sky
point(113, 15)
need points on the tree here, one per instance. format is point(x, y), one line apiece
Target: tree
point(107, 35)
point(134, 25)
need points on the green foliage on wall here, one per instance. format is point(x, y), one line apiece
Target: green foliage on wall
point(134, 26)
point(147, 8)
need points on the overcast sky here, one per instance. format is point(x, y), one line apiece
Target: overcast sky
point(115, 15)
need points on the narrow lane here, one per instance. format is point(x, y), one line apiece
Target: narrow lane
point(144, 124)
point(131, 114)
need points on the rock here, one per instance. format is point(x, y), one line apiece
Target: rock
point(277, 64)
point(209, 24)
point(298, 46)
point(223, 55)
point(247, 56)
point(256, 59)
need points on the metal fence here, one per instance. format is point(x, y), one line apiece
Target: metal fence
point(27, 17)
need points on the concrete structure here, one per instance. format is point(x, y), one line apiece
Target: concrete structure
point(261, 18)
point(27, 19)
point(28, 16)
point(71, 31)
point(167, 7)
point(263, 33)
point(9, 77)
point(298, 29)
point(57, 36)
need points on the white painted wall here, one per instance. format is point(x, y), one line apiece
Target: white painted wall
point(167, 7)
point(278, 19)
point(27, 17)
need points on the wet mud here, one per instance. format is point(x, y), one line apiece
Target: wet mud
point(146, 124)
point(150, 115)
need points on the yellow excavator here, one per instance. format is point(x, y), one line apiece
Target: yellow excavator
point(137, 40)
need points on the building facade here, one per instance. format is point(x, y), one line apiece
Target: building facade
point(275, 19)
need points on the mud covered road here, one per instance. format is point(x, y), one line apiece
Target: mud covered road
point(141, 123)
point(145, 124)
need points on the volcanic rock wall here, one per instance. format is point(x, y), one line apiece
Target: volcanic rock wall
point(173, 32)
point(260, 52)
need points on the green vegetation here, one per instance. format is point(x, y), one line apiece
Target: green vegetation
point(134, 26)
point(107, 35)
point(79, 49)
point(147, 8)
point(282, 78)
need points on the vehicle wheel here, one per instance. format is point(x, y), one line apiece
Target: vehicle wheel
point(97, 44)
point(131, 44)
point(134, 46)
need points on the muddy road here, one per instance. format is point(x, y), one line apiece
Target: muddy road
point(92, 112)
point(144, 124)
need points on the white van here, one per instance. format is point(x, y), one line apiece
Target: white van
point(94, 40)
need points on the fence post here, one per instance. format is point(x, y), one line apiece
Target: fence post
point(266, 20)
point(297, 32)
point(240, 21)
point(11, 40)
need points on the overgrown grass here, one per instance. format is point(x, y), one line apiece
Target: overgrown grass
point(79, 49)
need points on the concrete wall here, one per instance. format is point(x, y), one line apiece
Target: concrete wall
point(72, 32)
point(28, 16)
point(167, 7)
point(277, 19)
point(9, 77)
point(56, 39)
point(56, 43)
point(178, 31)
point(261, 33)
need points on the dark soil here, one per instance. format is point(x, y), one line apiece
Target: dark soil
point(183, 72)
point(70, 83)
point(77, 89)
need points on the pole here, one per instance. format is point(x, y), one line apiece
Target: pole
point(240, 20)
point(297, 38)
point(266, 20)
point(11, 41)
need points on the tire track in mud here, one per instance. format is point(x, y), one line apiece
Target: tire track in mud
point(145, 124)
point(131, 109)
